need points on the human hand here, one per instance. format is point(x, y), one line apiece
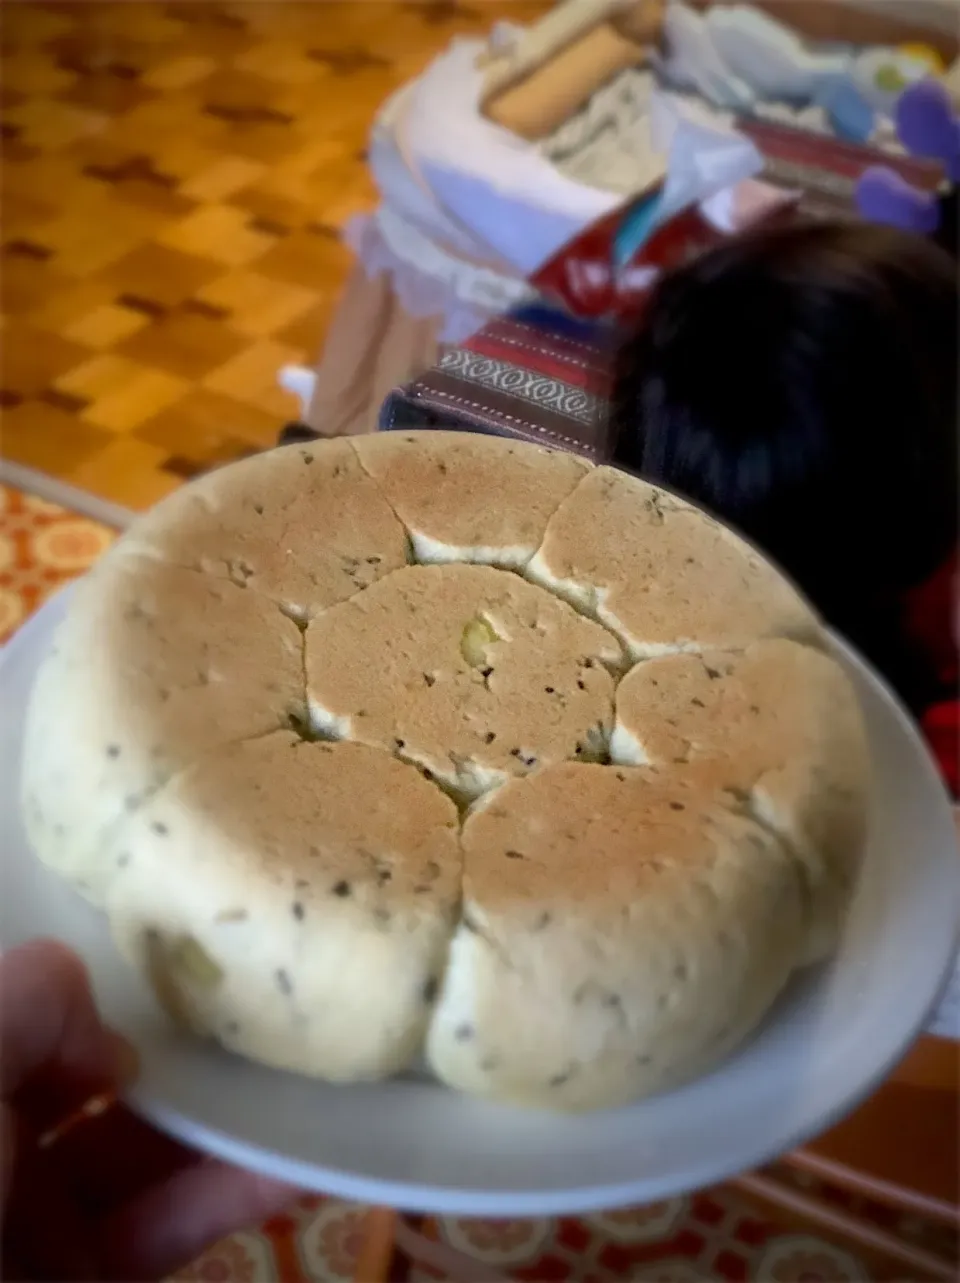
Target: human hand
point(110, 1198)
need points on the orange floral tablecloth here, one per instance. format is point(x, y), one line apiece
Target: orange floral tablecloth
point(42, 547)
point(712, 1236)
point(703, 1238)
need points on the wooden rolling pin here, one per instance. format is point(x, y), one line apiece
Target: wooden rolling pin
point(550, 95)
point(561, 26)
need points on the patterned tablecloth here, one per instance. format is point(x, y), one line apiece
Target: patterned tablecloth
point(705, 1237)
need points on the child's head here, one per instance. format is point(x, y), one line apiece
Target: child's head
point(802, 384)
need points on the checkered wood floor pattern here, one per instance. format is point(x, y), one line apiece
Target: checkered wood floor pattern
point(174, 181)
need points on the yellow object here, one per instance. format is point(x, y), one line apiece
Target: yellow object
point(916, 49)
point(195, 962)
point(477, 636)
point(890, 79)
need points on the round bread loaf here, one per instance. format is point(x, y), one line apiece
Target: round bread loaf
point(440, 744)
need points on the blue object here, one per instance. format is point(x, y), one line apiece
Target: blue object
point(544, 317)
point(635, 229)
point(850, 115)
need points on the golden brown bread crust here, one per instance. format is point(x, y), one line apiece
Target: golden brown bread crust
point(442, 486)
point(617, 949)
point(573, 937)
point(777, 727)
point(661, 574)
point(479, 675)
point(304, 525)
point(155, 667)
point(326, 920)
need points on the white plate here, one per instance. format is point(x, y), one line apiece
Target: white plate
point(411, 1143)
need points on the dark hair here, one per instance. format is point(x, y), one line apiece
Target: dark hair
point(801, 383)
point(947, 235)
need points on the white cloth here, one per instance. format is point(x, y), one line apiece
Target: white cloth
point(692, 61)
point(768, 56)
point(512, 198)
point(607, 143)
point(428, 279)
point(437, 266)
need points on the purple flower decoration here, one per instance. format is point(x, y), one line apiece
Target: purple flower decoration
point(927, 125)
point(884, 196)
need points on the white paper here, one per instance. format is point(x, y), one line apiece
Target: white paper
point(705, 152)
point(736, 208)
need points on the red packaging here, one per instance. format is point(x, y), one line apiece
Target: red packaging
point(584, 280)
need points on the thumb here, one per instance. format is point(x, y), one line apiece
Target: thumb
point(171, 1223)
point(49, 1022)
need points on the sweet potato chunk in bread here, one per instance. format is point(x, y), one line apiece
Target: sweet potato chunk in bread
point(295, 901)
point(302, 524)
point(661, 573)
point(779, 728)
point(467, 497)
point(477, 675)
point(621, 932)
point(153, 667)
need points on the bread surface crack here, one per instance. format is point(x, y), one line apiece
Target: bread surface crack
point(743, 802)
point(410, 551)
point(470, 922)
point(135, 802)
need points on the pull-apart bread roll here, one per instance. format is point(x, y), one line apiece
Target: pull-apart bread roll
point(777, 726)
point(620, 932)
point(444, 745)
point(300, 897)
point(479, 675)
point(663, 575)
point(154, 667)
point(466, 497)
point(305, 527)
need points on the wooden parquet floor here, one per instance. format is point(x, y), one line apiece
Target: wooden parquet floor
point(174, 179)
